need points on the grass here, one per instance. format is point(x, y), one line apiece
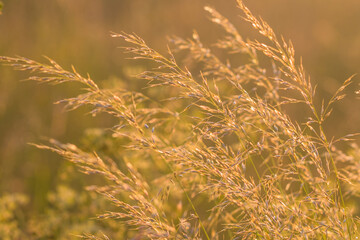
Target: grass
point(208, 150)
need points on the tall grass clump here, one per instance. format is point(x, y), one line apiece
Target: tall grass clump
point(208, 149)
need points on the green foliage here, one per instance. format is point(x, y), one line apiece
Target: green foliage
point(11, 217)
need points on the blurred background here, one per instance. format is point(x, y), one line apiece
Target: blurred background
point(325, 34)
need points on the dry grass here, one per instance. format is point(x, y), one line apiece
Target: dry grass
point(215, 155)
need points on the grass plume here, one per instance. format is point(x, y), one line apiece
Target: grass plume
point(224, 159)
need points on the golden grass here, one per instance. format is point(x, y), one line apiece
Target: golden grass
point(214, 155)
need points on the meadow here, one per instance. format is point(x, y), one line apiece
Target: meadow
point(222, 132)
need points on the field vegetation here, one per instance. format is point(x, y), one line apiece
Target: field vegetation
point(223, 140)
